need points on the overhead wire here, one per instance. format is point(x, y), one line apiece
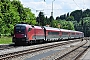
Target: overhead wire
point(84, 4)
point(76, 3)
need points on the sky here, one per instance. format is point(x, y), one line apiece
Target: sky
point(60, 7)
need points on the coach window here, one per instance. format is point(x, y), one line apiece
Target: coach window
point(53, 33)
point(76, 33)
point(49, 33)
point(29, 29)
point(64, 33)
point(73, 33)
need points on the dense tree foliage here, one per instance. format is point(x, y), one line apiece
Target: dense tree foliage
point(41, 19)
point(11, 13)
point(63, 24)
point(77, 14)
point(86, 13)
point(85, 27)
point(80, 19)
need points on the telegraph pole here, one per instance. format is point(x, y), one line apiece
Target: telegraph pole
point(52, 8)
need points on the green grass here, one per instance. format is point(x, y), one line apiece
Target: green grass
point(5, 40)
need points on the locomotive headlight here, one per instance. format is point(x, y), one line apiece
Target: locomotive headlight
point(25, 36)
point(14, 36)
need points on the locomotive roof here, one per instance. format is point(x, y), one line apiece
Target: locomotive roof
point(37, 27)
point(21, 25)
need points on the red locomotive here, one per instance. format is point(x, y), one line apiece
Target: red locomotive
point(28, 34)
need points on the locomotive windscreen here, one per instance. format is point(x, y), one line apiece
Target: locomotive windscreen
point(20, 29)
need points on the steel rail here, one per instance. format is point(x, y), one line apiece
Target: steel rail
point(19, 53)
point(61, 57)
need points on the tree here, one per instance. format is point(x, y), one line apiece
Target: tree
point(29, 16)
point(84, 26)
point(66, 25)
point(77, 14)
point(58, 18)
point(68, 15)
point(55, 23)
point(12, 12)
point(86, 13)
point(63, 17)
point(41, 19)
point(70, 18)
point(20, 9)
point(51, 20)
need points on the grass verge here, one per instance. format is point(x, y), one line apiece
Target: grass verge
point(5, 40)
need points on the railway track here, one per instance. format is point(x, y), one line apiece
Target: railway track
point(2, 47)
point(75, 53)
point(20, 53)
point(71, 53)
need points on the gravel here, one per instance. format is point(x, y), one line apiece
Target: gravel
point(21, 48)
point(49, 54)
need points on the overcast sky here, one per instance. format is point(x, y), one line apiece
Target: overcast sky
point(60, 7)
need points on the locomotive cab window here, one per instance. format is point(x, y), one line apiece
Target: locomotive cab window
point(20, 29)
point(17, 28)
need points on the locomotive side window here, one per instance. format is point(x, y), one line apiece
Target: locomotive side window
point(29, 29)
